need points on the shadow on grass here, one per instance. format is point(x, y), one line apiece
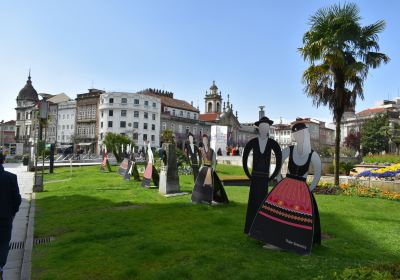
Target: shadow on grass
point(174, 239)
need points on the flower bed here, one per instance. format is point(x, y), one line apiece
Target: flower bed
point(386, 172)
point(355, 190)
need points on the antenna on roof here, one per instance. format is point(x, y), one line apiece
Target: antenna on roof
point(92, 84)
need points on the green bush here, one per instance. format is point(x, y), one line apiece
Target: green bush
point(389, 158)
point(379, 272)
point(346, 167)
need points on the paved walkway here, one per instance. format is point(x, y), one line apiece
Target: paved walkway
point(20, 226)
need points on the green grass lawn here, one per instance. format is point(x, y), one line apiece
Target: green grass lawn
point(108, 228)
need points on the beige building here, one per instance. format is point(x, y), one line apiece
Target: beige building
point(179, 116)
point(87, 121)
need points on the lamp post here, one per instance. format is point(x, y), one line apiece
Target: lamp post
point(2, 135)
point(42, 119)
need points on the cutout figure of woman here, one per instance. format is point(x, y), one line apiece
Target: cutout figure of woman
point(150, 171)
point(262, 147)
point(133, 171)
point(288, 217)
point(208, 187)
point(192, 152)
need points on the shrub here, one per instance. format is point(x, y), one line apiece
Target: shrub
point(376, 272)
point(389, 158)
point(347, 167)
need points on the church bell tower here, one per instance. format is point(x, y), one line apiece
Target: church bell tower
point(213, 100)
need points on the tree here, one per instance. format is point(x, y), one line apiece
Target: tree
point(373, 138)
point(340, 52)
point(114, 142)
point(167, 136)
point(353, 141)
point(392, 132)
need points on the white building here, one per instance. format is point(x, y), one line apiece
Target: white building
point(282, 133)
point(132, 114)
point(52, 127)
point(352, 122)
point(66, 123)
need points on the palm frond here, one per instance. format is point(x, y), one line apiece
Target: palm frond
point(375, 59)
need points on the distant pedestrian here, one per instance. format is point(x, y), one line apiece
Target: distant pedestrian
point(10, 199)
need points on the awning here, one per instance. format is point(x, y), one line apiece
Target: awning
point(65, 146)
point(84, 144)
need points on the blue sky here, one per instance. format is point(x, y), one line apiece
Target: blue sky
point(248, 47)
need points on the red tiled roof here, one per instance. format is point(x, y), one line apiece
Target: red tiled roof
point(370, 111)
point(12, 122)
point(174, 103)
point(208, 117)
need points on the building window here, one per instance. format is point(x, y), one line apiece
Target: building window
point(146, 115)
point(122, 124)
point(144, 137)
point(72, 126)
point(63, 127)
point(110, 113)
point(153, 117)
point(188, 115)
point(181, 113)
point(67, 127)
point(195, 116)
point(146, 103)
point(123, 113)
point(135, 125)
point(173, 112)
point(173, 127)
point(136, 114)
point(153, 138)
point(187, 130)
point(144, 125)
point(111, 100)
point(180, 128)
point(154, 105)
point(194, 130)
point(135, 136)
point(102, 113)
point(101, 136)
point(164, 126)
point(136, 102)
point(153, 127)
point(124, 100)
point(18, 116)
point(109, 123)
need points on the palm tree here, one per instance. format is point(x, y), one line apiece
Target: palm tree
point(340, 52)
point(114, 142)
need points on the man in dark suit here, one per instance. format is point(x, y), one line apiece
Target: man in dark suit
point(10, 199)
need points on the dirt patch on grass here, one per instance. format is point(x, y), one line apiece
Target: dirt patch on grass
point(127, 207)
